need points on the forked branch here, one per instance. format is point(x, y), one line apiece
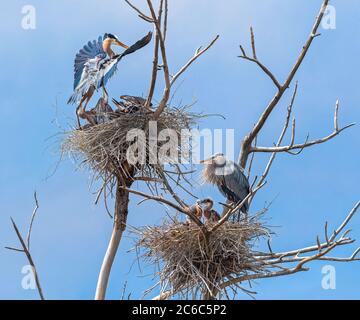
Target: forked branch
point(197, 54)
point(248, 140)
point(26, 246)
point(306, 144)
point(257, 61)
point(160, 26)
point(273, 260)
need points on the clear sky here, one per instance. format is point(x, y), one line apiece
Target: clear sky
point(71, 234)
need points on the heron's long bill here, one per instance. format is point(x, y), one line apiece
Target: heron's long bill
point(120, 44)
point(207, 161)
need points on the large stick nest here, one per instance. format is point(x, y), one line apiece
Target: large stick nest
point(103, 147)
point(188, 263)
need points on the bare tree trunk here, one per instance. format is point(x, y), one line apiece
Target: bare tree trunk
point(120, 218)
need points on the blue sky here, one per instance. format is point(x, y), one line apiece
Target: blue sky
point(70, 234)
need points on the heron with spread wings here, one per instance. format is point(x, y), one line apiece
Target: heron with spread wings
point(94, 65)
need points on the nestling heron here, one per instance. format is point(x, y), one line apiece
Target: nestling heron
point(208, 212)
point(130, 104)
point(196, 210)
point(229, 177)
point(95, 64)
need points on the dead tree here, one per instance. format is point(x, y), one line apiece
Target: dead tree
point(159, 20)
point(203, 277)
point(277, 264)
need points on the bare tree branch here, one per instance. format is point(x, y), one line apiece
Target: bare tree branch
point(284, 271)
point(282, 135)
point(163, 296)
point(26, 247)
point(256, 61)
point(166, 10)
point(345, 223)
point(247, 142)
point(251, 161)
point(155, 62)
point(197, 54)
point(165, 66)
point(32, 221)
point(140, 13)
point(119, 226)
point(186, 210)
point(253, 43)
point(322, 251)
point(306, 144)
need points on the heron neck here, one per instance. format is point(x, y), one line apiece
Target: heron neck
point(110, 53)
point(107, 49)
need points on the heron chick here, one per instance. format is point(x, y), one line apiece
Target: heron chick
point(208, 212)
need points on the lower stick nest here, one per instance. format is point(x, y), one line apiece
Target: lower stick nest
point(104, 147)
point(188, 263)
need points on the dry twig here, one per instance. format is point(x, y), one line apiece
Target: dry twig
point(26, 246)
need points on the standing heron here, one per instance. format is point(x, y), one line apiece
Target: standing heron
point(229, 177)
point(208, 212)
point(94, 65)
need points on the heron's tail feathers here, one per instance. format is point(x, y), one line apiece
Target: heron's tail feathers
point(72, 99)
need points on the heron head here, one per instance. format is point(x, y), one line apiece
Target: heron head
point(217, 159)
point(110, 39)
point(207, 202)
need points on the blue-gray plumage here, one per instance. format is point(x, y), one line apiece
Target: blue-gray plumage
point(95, 64)
point(229, 177)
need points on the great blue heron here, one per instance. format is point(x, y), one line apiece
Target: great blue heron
point(229, 177)
point(94, 65)
point(208, 212)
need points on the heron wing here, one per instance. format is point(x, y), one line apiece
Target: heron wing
point(92, 68)
point(109, 68)
point(90, 51)
point(235, 186)
point(138, 45)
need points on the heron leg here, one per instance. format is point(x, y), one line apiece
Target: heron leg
point(105, 94)
point(85, 114)
point(79, 111)
point(88, 96)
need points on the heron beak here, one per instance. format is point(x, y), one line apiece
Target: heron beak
point(206, 161)
point(120, 44)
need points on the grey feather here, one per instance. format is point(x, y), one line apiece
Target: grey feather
point(230, 179)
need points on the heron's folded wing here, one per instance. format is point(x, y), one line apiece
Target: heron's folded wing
point(236, 185)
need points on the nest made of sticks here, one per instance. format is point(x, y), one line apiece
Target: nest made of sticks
point(189, 264)
point(103, 147)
